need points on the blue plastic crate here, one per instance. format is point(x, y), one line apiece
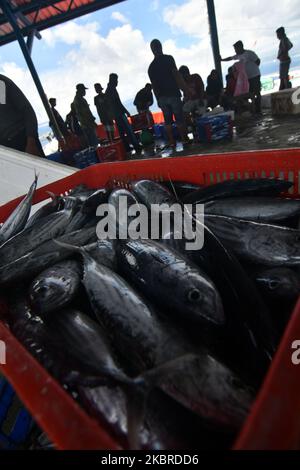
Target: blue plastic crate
point(214, 128)
point(55, 157)
point(85, 158)
point(15, 421)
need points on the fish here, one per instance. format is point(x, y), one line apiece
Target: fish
point(55, 287)
point(238, 188)
point(249, 327)
point(103, 252)
point(45, 255)
point(122, 219)
point(278, 283)
point(18, 218)
point(166, 424)
point(84, 345)
point(87, 210)
point(43, 230)
point(149, 192)
point(258, 243)
point(53, 206)
point(257, 209)
point(158, 272)
point(153, 347)
point(181, 188)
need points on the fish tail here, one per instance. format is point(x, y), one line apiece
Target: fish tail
point(139, 389)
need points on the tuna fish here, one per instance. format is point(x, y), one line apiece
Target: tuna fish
point(159, 273)
point(55, 287)
point(265, 244)
point(237, 188)
point(257, 209)
point(18, 218)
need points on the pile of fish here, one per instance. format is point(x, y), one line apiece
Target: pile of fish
point(166, 346)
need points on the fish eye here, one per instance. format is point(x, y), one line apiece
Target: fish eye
point(41, 290)
point(194, 295)
point(273, 284)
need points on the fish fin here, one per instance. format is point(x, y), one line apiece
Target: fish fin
point(155, 377)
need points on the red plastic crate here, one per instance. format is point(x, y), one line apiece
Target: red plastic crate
point(274, 421)
point(141, 121)
point(111, 153)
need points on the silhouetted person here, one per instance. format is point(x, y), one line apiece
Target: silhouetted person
point(120, 114)
point(194, 101)
point(18, 122)
point(252, 63)
point(84, 116)
point(285, 46)
point(214, 89)
point(59, 120)
point(104, 111)
point(144, 99)
point(167, 82)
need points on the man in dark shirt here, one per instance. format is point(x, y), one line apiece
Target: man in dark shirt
point(120, 114)
point(59, 120)
point(144, 99)
point(84, 116)
point(104, 112)
point(167, 82)
point(18, 122)
point(283, 56)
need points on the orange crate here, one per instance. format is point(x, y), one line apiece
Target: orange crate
point(273, 422)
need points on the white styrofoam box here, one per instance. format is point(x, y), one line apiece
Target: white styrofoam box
point(17, 173)
point(286, 101)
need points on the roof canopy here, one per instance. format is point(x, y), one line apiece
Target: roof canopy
point(36, 15)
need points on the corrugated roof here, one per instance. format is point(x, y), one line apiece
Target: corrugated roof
point(41, 14)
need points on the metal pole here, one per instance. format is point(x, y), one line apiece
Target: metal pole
point(6, 8)
point(214, 36)
point(30, 40)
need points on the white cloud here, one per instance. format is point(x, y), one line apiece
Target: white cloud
point(91, 56)
point(116, 15)
point(90, 59)
point(253, 22)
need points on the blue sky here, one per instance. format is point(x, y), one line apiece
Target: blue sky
point(117, 39)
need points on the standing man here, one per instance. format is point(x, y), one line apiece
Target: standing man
point(104, 112)
point(120, 115)
point(144, 99)
point(167, 82)
point(18, 122)
point(285, 46)
point(252, 63)
point(59, 120)
point(84, 116)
